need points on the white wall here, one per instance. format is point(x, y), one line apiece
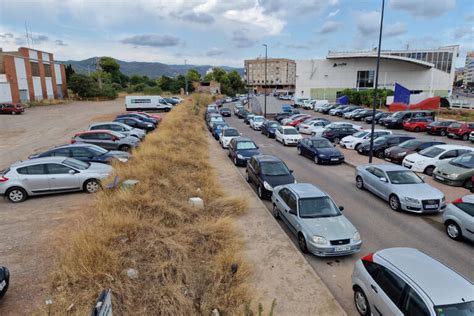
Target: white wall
point(5, 92)
point(49, 88)
point(57, 72)
point(37, 88)
point(21, 75)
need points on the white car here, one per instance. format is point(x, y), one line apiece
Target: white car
point(352, 113)
point(287, 135)
point(307, 128)
point(291, 118)
point(318, 131)
point(228, 100)
point(226, 135)
point(308, 104)
point(256, 122)
point(177, 99)
point(426, 160)
point(353, 141)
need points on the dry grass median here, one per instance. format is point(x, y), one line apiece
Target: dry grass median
point(183, 255)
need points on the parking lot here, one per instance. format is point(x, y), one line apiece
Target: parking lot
point(379, 226)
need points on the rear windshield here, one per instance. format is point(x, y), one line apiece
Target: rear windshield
point(246, 145)
point(408, 144)
point(231, 132)
point(460, 309)
point(431, 152)
point(290, 131)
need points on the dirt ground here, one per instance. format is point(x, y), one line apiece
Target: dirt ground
point(31, 231)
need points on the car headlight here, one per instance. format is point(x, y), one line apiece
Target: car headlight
point(320, 240)
point(122, 159)
point(356, 237)
point(149, 125)
point(240, 156)
point(322, 155)
point(453, 175)
point(402, 153)
point(412, 200)
point(267, 186)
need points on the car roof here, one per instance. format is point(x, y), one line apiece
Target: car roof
point(267, 158)
point(103, 123)
point(451, 146)
point(318, 138)
point(38, 160)
point(439, 282)
point(287, 127)
point(242, 139)
point(387, 167)
point(306, 190)
point(94, 131)
point(74, 145)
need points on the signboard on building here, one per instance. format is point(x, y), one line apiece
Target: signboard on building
point(401, 94)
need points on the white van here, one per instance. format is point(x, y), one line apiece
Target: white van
point(147, 102)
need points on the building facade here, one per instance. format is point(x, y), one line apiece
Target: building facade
point(468, 79)
point(281, 75)
point(429, 71)
point(212, 87)
point(30, 75)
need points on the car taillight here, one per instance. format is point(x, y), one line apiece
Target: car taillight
point(368, 258)
point(73, 140)
point(3, 179)
point(459, 200)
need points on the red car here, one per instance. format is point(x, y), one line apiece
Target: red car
point(298, 120)
point(11, 108)
point(460, 130)
point(417, 124)
point(438, 127)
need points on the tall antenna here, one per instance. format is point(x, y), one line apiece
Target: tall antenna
point(27, 36)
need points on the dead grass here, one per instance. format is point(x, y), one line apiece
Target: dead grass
point(457, 114)
point(183, 255)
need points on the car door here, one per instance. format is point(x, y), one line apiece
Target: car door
point(281, 201)
point(60, 178)
point(34, 178)
point(304, 147)
point(387, 292)
point(232, 148)
point(60, 152)
point(107, 141)
point(413, 304)
point(291, 211)
point(379, 186)
point(466, 219)
point(278, 133)
point(81, 153)
point(251, 169)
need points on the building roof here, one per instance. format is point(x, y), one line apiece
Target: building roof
point(347, 55)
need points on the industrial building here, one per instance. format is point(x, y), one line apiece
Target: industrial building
point(468, 79)
point(30, 75)
point(280, 73)
point(429, 71)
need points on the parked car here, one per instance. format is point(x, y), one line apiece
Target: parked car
point(340, 112)
point(307, 128)
point(438, 127)
point(11, 108)
point(287, 135)
point(298, 102)
point(299, 120)
point(237, 107)
point(378, 117)
point(314, 218)
point(213, 119)
point(405, 281)
point(256, 122)
point(350, 114)
point(426, 160)
point(382, 143)
point(335, 133)
point(292, 118)
point(135, 123)
point(417, 124)
point(225, 112)
point(355, 140)
point(318, 130)
point(267, 172)
point(400, 187)
point(177, 99)
point(362, 115)
point(51, 175)
point(154, 116)
point(269, 128)
point(84, 152)
point(106, 139)
point(471, 137)
point(458, 218)
point(396, 154)
point(457, 172)
point(320, 150)
point(4, 281)
point(217, 128)
point(460, 130)
point(242, 113)
point(140, 117)
point(120, 128)
point(396, 119)
point(171, 101)
point(326, 109)
point(226, 135)
point(241, 149)
point(336, 109)
point(248, 117)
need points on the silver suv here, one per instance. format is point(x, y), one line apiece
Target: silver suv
point(51, 175)
point(315, 219)
point(119, 127)
point(405, 281)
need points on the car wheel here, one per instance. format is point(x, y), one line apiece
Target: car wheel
point(417, 129)
point(275, 212)
point(359, 183)
point(443, 133)
point(284, 142)
point(16, 195)
point(356, 148)
point(394, 202)
point(298, 150)
point(124, 148)
point(379, 154)
point(468, 184)
point(247, 178)
point(302, 243)
point(360, 301)
point(453, 230)
point(429, 170)
point(260, 192)
point(92, 186)
point(465, 137)
point(336, 140)
point(316, 159)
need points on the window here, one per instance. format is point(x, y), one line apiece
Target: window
point(34, 69)
point(449, 154)
point(62, 152)
point(391, 284)
point(292, 202)
point(55, 168)
point(104, 136)
point(284, 194)
point(378, 173)
point(372, 268)
point(47, 70)
point(79, 152)
point(414, 305)
point(97, 127)
point(365, 79)
point(34, 169)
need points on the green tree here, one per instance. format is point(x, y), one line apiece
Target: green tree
point(109, 65)
point(209, 76)
point(193, 75)
point(69, 72)
point(136, 79)
point(165, 83)
point(82, 85)
point(236, 82)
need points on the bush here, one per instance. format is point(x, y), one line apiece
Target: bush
point(152, 90)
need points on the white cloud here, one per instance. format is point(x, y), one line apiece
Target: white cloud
point(256, 17)
point(368, 24)
point(333, 13)
point(424, 8)
point(330, 27)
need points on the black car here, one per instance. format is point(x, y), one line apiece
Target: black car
point(378, 116)
point(85, 152)
point(171, 101)
point(241, 149)
point(140, 117)
point(363, 114)
point(320, 150)
point(225, 112)
point(269, 128)
point(350, 108)
point(382, 143)
point(242, 113)
point(133, 122)
point(4, 281)
point(438, 127)
point(325, 109)
point(397, 118)
point(267, 172)
point(336, 133)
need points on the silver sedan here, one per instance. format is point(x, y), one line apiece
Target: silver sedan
point(401, 187)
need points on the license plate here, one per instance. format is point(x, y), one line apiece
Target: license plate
point(439, 178)
point(334, 159)
point(432, 206)
point(407, 166)
point(342, 248)
point(388, 159)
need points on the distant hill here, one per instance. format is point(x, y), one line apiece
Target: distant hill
point(150, 69)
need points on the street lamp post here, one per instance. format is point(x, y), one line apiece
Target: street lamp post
point(265, 84)
point(376, 85)
point(185, 79)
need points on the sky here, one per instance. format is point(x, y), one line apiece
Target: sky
point(218, 32)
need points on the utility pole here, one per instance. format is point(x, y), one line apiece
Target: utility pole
point(265, 84)
point(376, 84)
point(97, 68)
point(186, 79)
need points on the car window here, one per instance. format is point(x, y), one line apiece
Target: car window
point(292, 201)
point(449, 154)
point(466, 207)
point(371, 267)
point(391, 284)
point(88, 136)
point(56, 168)
point(79, 152)
point(462, 152)
point(378, 173)
point(104, 136)
point(414, 305)
point(33, 170)
point(60, 152)
point(96, 127)
point(284, 194)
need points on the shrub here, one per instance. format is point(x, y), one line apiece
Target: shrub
point(152, 90)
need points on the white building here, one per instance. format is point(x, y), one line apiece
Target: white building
point(430, 71)
point(469, 69)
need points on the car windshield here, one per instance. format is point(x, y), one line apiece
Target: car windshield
point(246, 145)
point(225, 110)
point(459, 309)
point(360, 134)
point(321, 143)
point(431, 152)
point(258, 119)
point(409, 144)
point(403, 177)
point(290, 131)
point(380, 140)
point(464, 161)
point(275, 168)
point(231, 132)
point(97, 150)
point(398, 114)
point(317, 207)
point(273, 124)
point(76, 164)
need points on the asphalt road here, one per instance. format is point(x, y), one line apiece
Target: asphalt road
point(379, 226)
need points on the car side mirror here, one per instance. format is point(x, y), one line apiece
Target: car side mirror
point(291, 170)
point(72, 171)
point(341, 208)
point(383, 179)
point(292, 211)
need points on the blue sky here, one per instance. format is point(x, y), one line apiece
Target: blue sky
point(227, 32)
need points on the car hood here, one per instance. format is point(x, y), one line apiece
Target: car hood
point(446, 167)
point(248, 152)
point(279, 180)
point(329, 151)
point(99, 168)
point(350, 139)
point(419, 158)
point(331, 228)
point(421, 191)
point(116, 153)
